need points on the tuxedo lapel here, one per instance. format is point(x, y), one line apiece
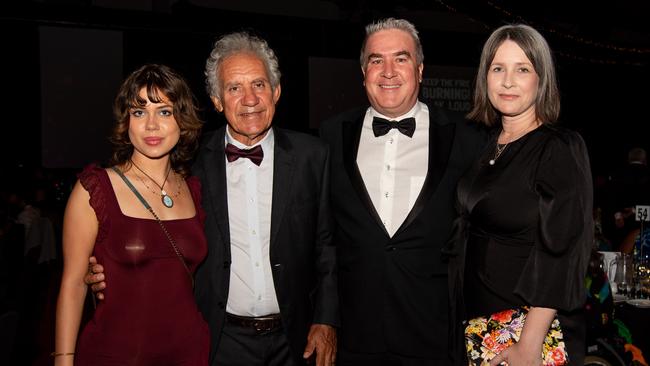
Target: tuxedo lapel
point(351, 137)
point(283, 172)
point(440, 142)
point(215, 173)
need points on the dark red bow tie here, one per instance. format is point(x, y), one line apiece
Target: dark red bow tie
point(255, 154)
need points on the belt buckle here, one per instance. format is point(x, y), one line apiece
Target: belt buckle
point(259, 326)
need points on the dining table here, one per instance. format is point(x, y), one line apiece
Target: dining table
point(635, 315)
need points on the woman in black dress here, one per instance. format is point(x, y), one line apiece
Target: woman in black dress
point(525, 226)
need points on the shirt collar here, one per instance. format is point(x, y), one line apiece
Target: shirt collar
point(411, 113)
point(266, 142)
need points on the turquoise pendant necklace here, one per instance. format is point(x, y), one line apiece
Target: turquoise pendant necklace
point(166, 199)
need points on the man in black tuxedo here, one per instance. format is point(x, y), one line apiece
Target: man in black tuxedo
point(393, 194)
point(268, 287)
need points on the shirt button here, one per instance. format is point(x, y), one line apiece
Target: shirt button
point(251, 200)
point(253, 232)
point(259, 297)
point(390, 140)
point(257, 264)
point(386, 194)
point(388, 167)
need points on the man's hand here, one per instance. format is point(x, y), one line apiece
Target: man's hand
point(95, 278)
point(322, 341)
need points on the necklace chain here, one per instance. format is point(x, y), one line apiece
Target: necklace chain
point(519, 134)
point(153, 180)
point(501, 147)
point(178, 190)
point(166, 198)
point(497, 152)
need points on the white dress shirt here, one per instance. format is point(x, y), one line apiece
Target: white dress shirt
point(250, 191)
point(394, 166)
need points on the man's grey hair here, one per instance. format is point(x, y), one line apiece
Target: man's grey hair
point(236, 43)
point(392, 23)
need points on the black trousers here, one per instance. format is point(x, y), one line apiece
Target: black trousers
point(243, 346)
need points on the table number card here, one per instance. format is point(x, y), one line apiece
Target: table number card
point(642, 213)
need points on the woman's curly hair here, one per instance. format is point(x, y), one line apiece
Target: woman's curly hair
point(160, 82)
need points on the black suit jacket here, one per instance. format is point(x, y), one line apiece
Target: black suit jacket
point(303, 259)
point(393, 291)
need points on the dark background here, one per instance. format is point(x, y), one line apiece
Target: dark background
point(602, 52)
point(63, 60)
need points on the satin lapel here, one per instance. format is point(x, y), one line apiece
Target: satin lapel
point(215, 173)
point(440, 142)
point(283, 172)
point(351, 137)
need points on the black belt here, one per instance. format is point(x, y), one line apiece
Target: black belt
point(261, 324)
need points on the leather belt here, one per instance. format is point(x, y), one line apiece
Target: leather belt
point(261, 324)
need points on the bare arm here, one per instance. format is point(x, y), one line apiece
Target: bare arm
point(528, 351)
point(79, 233)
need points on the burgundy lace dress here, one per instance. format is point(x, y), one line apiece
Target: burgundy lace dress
point(148, 315)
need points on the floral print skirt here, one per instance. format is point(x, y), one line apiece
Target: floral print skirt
point(485, 337)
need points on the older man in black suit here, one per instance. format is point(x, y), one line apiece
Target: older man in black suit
point(268, 288)
point(266, 194)
point(395, 168)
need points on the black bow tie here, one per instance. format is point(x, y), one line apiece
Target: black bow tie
point(255, 154)
point(381, 126)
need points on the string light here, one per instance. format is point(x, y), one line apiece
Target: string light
point(454, 10)
point(574, 38)
point(597, 61)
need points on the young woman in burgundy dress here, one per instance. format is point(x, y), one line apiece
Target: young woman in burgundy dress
point(142, 219)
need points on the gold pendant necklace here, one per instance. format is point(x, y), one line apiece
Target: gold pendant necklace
point(167, 201)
